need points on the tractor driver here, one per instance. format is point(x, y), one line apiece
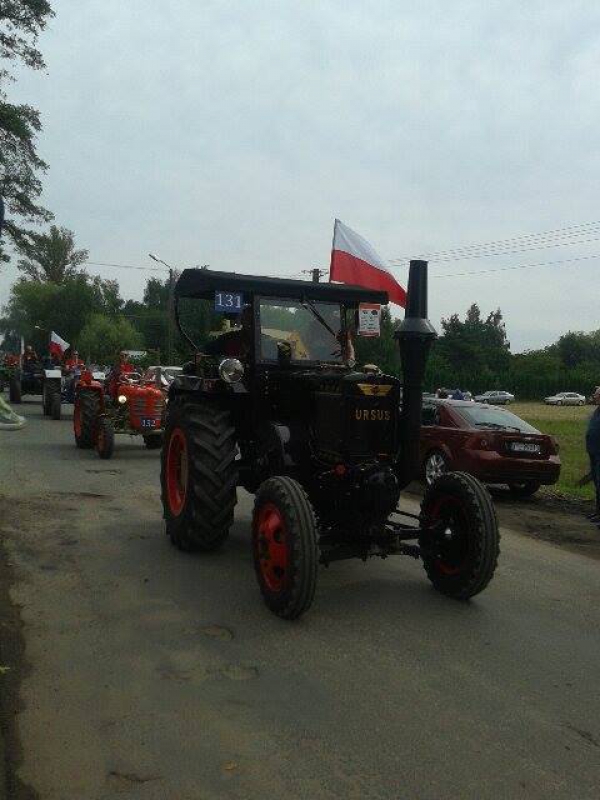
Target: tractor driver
point(74, 362)
point(117, 372)
point(30, 357)
point(236, 343)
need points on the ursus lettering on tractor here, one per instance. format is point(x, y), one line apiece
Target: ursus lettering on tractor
point(125, 406)
point(325, 446)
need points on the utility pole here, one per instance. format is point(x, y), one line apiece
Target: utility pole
point(316, 273)
point(170, 306)
point(170, 320)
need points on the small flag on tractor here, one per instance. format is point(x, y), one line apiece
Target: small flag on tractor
point(353, 260)
point(57, 345)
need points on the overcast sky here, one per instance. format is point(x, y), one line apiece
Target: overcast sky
point(233, 133)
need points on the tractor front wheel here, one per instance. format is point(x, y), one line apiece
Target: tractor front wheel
point(51, 400)
point(460, 541)
point(55, 406)
point(85, 417)
point(105, 438)
point(284, 542)
point(198, 475)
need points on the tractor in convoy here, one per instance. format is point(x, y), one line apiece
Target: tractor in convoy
point(121, 404)
point(33, 376)
point(279, 407)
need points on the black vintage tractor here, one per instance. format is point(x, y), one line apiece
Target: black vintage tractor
point(26, 379)
point(279, 407)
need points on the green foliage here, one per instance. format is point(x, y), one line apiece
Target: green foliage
point(20, 165)
point(51, 257)
point(102, 338)
point(22, 21)
point(34, 309)
point(382, 350)
point(474, 354)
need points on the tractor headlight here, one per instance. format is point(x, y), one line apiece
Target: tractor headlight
point(231, 370)
point(122, 398)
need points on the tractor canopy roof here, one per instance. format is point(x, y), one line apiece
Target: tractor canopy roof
point(203, 283)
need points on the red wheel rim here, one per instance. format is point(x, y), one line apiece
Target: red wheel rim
point(177, 471)
point(452, 552)
point(77, 420)
point(271, 547)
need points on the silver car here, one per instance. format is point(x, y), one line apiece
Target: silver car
point(565, 399)
point(495, 398)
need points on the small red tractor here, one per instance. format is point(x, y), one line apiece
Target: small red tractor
point(123, 404)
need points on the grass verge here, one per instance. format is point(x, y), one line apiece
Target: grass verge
point(567, 424)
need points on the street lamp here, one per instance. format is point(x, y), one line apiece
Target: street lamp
point(158, 260)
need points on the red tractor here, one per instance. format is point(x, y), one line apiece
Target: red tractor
point(124, 404)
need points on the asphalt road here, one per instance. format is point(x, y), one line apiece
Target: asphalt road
point(149, 674)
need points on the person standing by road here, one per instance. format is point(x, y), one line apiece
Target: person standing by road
point(592, 443)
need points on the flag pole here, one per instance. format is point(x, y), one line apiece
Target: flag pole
point(332, 243)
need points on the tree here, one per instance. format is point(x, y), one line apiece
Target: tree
point(474, 353)
point(34, 309)
point(51, 257)
point(382, 350)
point(102, 338)
point(20, 166)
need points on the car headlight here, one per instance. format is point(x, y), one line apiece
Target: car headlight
point(231, 370)
point(122, 399)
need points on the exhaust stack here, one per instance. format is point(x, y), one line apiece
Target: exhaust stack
point(415, 337)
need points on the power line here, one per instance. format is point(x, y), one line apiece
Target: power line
point(518, 266)
point(571, 235)
point(123, 266)
point(484, 254)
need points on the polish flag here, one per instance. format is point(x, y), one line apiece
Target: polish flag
point(57, 345)
point(353, 260)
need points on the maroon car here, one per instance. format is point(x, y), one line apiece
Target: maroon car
point(489, 442)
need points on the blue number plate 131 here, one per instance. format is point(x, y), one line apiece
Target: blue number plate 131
point(228, 303)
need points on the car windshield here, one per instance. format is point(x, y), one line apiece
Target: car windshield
point(486, 417)
point(311, 330)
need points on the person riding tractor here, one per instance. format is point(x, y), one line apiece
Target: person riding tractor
point(120, 404)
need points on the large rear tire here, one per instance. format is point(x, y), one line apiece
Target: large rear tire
point(198, 474)
point(14, 390)
point(85, 418)
point(284, 542)
point(460, 553)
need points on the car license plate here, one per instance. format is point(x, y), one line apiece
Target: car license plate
point(148, 423)
point(525, 447)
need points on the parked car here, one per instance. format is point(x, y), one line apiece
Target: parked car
point(493, 444)
point(495, 398)
point(167, 374)
point(565, 399)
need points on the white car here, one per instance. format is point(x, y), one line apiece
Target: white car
point(495, 398)
point(166, 377)
point(565, 399)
